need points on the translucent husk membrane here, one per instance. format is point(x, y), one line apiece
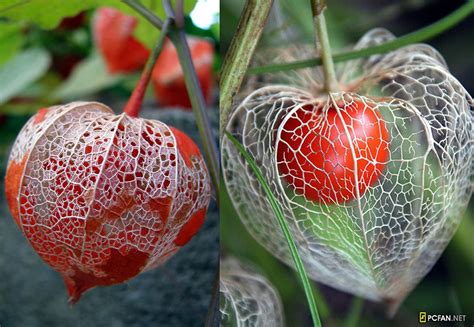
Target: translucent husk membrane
point(379, 244)
point(246, 297)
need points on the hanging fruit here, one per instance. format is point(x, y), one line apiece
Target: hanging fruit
point(168, 77)
point(372, 179)
point(103, 197)
point(113, 34)
point(333, 154)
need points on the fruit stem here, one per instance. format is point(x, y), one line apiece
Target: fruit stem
point(134, 104)
point(178, 37)
point(145, 12)
point(251, 23)
point(322, 42)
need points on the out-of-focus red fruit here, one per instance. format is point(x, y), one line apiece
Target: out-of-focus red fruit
point(168, 78)
point(102, 197)
point(70, 23)
point(113, 34)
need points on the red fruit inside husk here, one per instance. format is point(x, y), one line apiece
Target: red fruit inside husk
point(103, 197)
point(113, 33)
point(168, 78)
point(334, 155)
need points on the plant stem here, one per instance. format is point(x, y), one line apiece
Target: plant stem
point(145, 12)
point(251, 24)
point(420, 35)
point(284, 227)
point(180, 13)
point(322, 42)
point(178, 37)
point(134, 104)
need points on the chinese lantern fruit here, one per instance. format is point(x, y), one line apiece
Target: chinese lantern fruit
point(372, 177)
point(103, 197)
point(334, 155)
point(113, 33)
point(168, 78)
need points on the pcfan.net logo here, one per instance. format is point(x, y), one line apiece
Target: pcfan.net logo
point(424, 317)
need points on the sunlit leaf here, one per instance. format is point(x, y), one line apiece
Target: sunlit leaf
point(49, 13)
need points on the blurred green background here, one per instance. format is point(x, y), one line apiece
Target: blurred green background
point(55, 61)
point(449, 287)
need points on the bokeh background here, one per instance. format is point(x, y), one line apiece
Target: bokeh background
point(40, 68)
point(449, 287)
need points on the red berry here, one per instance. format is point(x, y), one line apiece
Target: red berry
point(113, 33)
point(335, 155)
point(168, 78)
point(102, 197)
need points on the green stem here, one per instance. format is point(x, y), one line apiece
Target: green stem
point(420, 35)
point(284, 227)
point(322, 42)
point(178, 37)
point(145, 12)
point(134, 104)
point(251, 24)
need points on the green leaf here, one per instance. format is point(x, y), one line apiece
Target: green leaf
point(89, 77)
point(49, 13)
point(11, 40)
point(216, 30)
point(21, 109)
point(46, 13)
point(21, 71)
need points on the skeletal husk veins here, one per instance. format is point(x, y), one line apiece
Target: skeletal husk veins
point(102, 197)
point(379, 242)
point(247, 298)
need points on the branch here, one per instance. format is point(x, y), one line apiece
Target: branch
point(251, 24)
point(145, 12)
point(178, 37)
point(420, 35)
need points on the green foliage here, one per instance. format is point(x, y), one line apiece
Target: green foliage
point(49, 13)
point(10, 40)
point(46, 13)
point(89, 77)
point(20, 72)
